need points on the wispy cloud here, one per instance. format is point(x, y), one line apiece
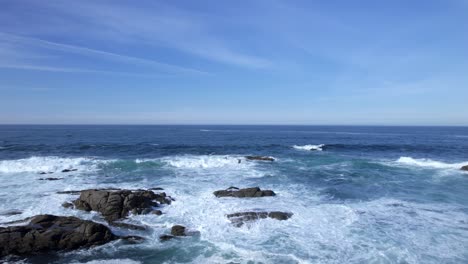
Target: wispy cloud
point(14, 50)
point(156, 25)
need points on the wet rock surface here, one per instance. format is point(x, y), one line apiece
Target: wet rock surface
point(241, 193)
point(178, 230)
point(464, 168)
point(239, 219)
point(262, 158)
point(52, 233)
point(50, 179)
point(166, 237)
point(117, 204)
point(69, 170)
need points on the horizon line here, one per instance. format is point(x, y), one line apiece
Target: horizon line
point(203, 124)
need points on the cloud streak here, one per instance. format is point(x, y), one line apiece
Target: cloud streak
point(155, 25)
point(14, 51)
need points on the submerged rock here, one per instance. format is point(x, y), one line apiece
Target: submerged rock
point(178, 230)
point(10, 212)
point(264, 158)
point(128, 226)
point(239, 219)
point(69, 192)
point(464, 168)
point(166, 237)
point(241, 193)
point(67, 205)
point(51, 233)
point(50, 179)
point(69, 170)
point(117, 204)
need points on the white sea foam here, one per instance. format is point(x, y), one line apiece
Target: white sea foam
point(111, 261)
point(309, 147)
point(206, 161)
point(48, 164)
point(430, 163)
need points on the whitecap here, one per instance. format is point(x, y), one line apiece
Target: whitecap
point(309, 147)
point(48, 164)
point(111, 261)
point(205, 161)
point(430, 163)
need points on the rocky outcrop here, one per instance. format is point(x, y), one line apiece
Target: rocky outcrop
point(464, 168)
point(178, 230)
point(239, 219)
point(51, 233)
point(241, 193)
point(69, 170)
point(117, 204)
point(263, 158)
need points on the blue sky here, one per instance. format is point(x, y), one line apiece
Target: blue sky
point(234, 62)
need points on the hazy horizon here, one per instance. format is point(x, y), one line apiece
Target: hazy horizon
point(395, 63)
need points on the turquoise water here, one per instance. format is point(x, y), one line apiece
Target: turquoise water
point(363, 195)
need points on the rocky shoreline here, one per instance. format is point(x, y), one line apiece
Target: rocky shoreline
point(49, 233)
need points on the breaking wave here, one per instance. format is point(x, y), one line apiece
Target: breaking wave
point(309, 147)
point(430, 163)
point(48, 164)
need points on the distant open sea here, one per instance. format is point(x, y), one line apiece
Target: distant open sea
point(358, 194)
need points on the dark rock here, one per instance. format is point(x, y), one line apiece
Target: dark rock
point(133, 239)
point(50, 179)
point(117, 204)
point(51, 233)
point(10, 213)
point(241, 193)
point(464, 168)
point(69, 192)
point(43, 172)
point(156, 212)
point(263, 158)
point(156, 189)
point(178, 230)
point(128, 226)
point(239, 219)
point(69, 170)
point(166, 237)
point(67, 205)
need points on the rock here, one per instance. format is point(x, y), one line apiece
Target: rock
point(241, 193)
point(52, 233)
point(464, 168)
point(178, 230)
point(69, 192)
point(67, 205)
point(156, 212)
point(166, 237)
point(239, 219)
point(133, 239)
point(156, 189)
point(117, 204)
point(69, 170)
point(43, 172)
point(128, 226)
point(10, 213)
point(264, 158)
point(50, 179)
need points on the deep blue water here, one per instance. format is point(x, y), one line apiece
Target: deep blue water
point(371, 195)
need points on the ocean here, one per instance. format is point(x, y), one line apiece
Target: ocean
point(358, 194)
